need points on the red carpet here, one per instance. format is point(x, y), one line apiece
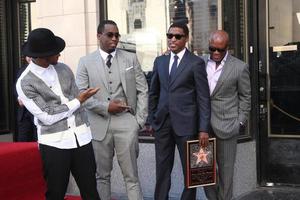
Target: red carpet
point(21, 172)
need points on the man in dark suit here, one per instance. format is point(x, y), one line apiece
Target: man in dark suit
point(230, 92)
point(25, 120)
point(179, 107)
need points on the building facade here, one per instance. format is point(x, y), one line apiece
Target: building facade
point(263, 33)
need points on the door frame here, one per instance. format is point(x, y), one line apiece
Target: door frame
point(262, 94)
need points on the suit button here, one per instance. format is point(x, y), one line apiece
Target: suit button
point(109, 72)
point(108, 99)
point(110, 82)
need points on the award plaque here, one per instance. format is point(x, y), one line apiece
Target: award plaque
point(201, 164)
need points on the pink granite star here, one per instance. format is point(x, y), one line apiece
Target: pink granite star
point(201, 156)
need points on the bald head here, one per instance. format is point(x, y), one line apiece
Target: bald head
point(219, 35)
point(218, 45)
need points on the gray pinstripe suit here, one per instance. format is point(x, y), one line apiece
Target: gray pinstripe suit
point(230, 105)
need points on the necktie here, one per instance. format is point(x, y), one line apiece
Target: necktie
point(174, 67)
point(108, 62)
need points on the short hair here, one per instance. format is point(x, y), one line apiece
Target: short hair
point(102, 24)
point(181, 25)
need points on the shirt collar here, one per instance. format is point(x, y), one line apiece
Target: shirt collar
point(180, 54)
point(105, 54)
point(38, 69)
point(224, 59)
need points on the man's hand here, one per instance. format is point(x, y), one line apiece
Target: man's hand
point(83, 96)
point(149, 130)
point(117, 106)
point(203, 139)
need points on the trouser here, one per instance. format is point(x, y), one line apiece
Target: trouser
point(57, 165)
point(26, 128)
point(121, 138)
point(226, 154)
point(165, 142)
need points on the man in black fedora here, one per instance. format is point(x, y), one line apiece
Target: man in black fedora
point(48, 90)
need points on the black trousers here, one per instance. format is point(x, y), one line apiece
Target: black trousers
point(165, 142)
point(57, 165)
point(26, 128)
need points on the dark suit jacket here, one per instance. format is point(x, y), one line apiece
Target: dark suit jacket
point(22, 111)
point(185, 98)
point(25, 120)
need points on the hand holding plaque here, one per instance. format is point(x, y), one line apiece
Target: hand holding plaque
point(201, 164)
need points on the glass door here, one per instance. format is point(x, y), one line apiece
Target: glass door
point(284, 68)
point(279, 24)
point(4, 80)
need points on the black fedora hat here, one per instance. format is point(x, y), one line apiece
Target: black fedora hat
point(41, 42)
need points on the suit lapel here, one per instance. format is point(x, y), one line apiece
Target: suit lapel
point(205, 58)
point(181, 66)
point(100, 68)
point(227, 68)
point(165, 68)
point(120, 63)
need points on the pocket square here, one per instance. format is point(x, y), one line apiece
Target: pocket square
point(129, 68)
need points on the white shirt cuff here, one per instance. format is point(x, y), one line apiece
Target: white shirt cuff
point(73, 105)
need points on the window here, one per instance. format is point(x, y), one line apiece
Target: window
point(24, 24)
point(143, 25)
point(234, 22)
point(13, 16)
point(137, 24)
point(4, 86)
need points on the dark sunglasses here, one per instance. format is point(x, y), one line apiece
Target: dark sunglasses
point(111, 34)
point(213, 49)
point(177, 36)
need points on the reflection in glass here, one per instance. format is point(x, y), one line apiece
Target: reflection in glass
point(284, 67)
point(235, 23)
point(143, 25)
point(4, 78)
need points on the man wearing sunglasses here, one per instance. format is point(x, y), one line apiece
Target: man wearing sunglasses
point(117, 113)
point(179, 107)
point(230, 94)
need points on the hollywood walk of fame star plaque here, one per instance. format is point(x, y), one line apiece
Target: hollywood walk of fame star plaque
point(201, 164)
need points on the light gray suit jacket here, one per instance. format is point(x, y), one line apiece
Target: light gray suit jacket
point(231, 98)
point(91, 73)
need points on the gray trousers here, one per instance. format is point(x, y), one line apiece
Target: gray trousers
point(122, 139)
point(226, 154)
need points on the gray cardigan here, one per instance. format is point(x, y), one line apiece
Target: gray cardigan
point(34, 88)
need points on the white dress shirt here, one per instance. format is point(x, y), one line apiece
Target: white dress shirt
point(104, 55)
point(180, 55)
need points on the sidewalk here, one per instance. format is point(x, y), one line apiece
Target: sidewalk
point(263, 193)
point(272, 193)
point(118, 196)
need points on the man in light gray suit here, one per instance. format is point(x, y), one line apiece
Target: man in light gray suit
point(117, 113)
point(230, 92)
